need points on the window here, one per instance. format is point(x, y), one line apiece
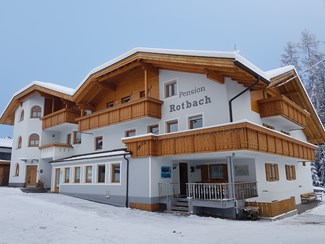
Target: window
point(101, 174)
point(76, 138)
point(272, 172)
point(89, 174)
point(66, 175)
point(20, 141)
point(77, 175)
point(129, 133)
point(22, 115)
point(290, 172)
point(17, 169)
point(172, 126)
point(126, 99)
point(36, 112)
point(154, 129)
point(217, 172)
point(142, 94)
point(116, 173)
point(69, 138)
point(33, 140)
point(196, 122)
point(99, 143)
point(170, 89)
point(110, 104)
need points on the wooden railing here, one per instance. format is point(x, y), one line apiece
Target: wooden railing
point(143, 107)
point(168, 190)
point(56, 150)
point(239, 136)
point(280, 105)
point(272, 209)
point(221, 191)
point(65, 115)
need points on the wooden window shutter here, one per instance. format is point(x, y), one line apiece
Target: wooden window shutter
point(276, 170)
point(205, 173)
point(267, 171)
point(287, 172)
point(293, 168)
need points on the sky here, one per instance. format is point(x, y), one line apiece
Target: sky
point(61, 41)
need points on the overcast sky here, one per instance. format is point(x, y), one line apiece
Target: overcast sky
point(61, 41)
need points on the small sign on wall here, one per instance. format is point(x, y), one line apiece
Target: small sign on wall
point(165, 172)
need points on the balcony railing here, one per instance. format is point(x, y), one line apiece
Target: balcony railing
point(282, 106)
point(62, 116)
point(221, 191)
point(56, 150)
point(168, 190)
point(143, 107)
point(237, 136)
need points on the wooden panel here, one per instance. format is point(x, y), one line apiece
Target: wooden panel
point(144, 107)
point(255, 96)
point(31, 174)
point(4, 175)
point(145, 206)
point(241, 136)
point(59, 117)
point(274, 208)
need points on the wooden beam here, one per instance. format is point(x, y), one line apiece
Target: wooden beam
point(106, 76)
point(149, 68)
point(83, 106)
point(215, 76)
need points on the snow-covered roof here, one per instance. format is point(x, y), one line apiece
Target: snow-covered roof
point(51, 86)
point(276, 72)
point(106, 154)
point(215, 54)
point(6, 142)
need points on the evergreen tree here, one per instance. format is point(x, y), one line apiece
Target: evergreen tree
point(309, 62)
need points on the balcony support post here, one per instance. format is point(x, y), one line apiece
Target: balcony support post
point(145, 83)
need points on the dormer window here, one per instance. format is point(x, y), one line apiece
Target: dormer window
point(36, 112)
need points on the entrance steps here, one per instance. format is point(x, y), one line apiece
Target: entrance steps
point(33, 190)
point(179, 207)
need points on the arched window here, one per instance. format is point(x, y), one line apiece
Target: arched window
point(17, 169)
point(33, 140)
point(20, 142)
point(22, 115)
point(36, 112)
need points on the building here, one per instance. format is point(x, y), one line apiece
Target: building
point(153, 125)
point(5, 155)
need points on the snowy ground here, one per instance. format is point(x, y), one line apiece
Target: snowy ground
point(54, 218)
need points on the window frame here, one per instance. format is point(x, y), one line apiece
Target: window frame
point(87, 167)
point(272, 172)
point(290, 172)
point(101, 180)
point(170, 92)
point(17, 169)
point(75, 174)
point(69, 138)
point(195, 117)
point(126, 99)
point(67, 175)
point(168, 125)
point(113, 176)
point(98, 144)
point(150, 127)
point(110, 104)
point(20, 142)
point(31, 141)
point(22, 115)
point(36, 114)
point(75, 141)
point(126, 133)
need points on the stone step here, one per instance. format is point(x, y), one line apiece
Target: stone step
point(33, 190)
point(178, 203)
point(180, 208)
point(181, 199)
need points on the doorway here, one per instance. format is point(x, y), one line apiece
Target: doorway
point(183, 178)
point(57, 180)
point(31, 175)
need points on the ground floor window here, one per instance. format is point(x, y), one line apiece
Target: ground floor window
point(290, 172)
point(89, 174)
point(101, 174)
point(66, 175)
point(116, 176)
point(271, 172)
point(77, 175)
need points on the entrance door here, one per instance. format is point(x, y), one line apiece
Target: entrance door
point(183, 178)
point(31, 174)
point(57, 180)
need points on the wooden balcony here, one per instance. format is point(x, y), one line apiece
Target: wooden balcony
point(143, 107)
point(62, 116)
point(239, 136)
point(282, 106)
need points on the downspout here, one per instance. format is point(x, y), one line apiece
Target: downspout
point(127, 182)
point(239, 94)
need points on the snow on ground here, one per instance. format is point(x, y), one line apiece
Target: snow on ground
point(54, 218)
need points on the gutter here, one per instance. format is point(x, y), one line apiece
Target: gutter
point(127, 182)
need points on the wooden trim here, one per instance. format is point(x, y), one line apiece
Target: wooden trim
point(62, 116)
point(113, 180)
point(272, 209)
point(55, 145)
point(145, 206)
point(239, 136)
